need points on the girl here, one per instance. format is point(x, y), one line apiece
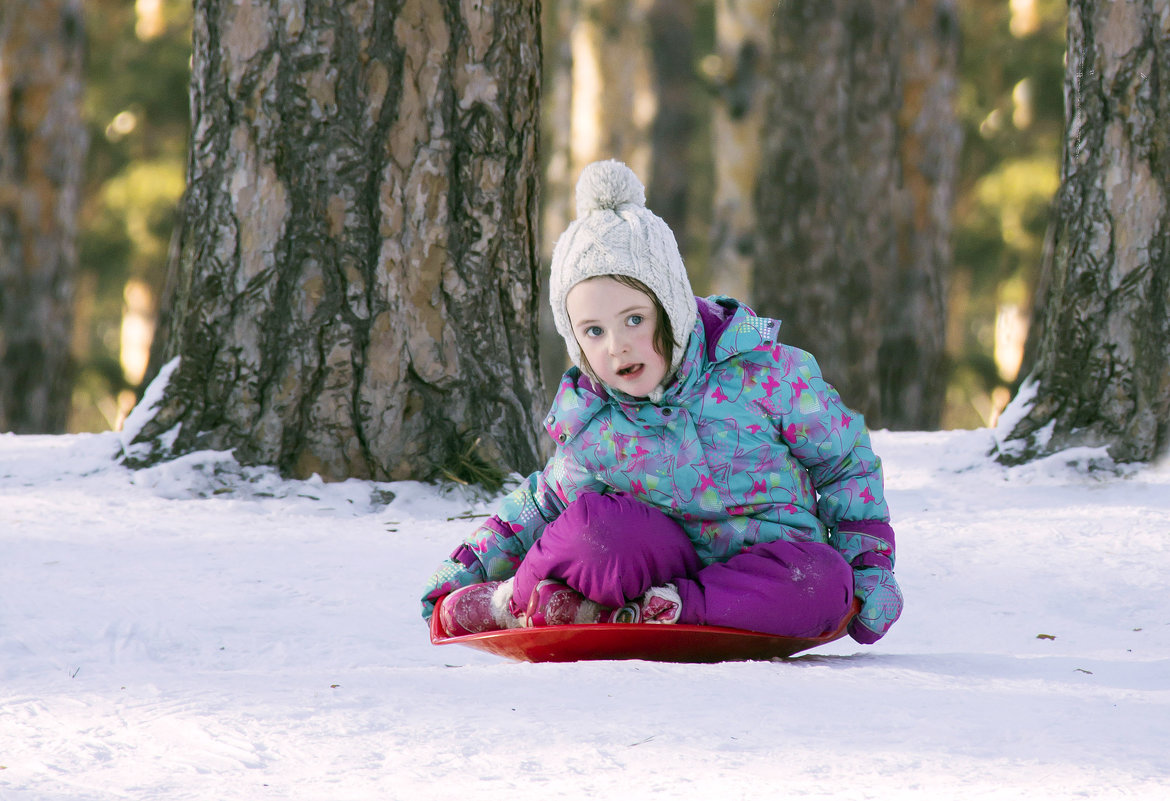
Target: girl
point(704, 473)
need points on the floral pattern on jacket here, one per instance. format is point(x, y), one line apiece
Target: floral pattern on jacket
point(749, 444)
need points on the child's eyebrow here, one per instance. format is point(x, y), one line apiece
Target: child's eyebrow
point(639, 307)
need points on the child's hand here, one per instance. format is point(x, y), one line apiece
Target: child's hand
point(449, 576)
point(881, 603)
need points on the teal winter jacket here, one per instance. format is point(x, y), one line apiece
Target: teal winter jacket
point(749, 444)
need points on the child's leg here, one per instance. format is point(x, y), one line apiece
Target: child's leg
point(791, 589)
point(610, 548)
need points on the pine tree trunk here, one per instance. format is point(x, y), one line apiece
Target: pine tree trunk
point(670, 29)
point(613, 100)
point(356, 279)
point(1101, 372)
point(557, 203)
point(42, 156)
point(560, 175)
point(742, 44)
point(854, 199)
point(912, 363)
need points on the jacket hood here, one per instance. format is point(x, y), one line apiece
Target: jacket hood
point(731, 328)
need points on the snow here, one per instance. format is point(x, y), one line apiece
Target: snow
point(1018, 409)
point(202, 630)
point(144, 411)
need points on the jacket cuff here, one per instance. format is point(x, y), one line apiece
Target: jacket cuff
point(865, 543)
point(466, 557)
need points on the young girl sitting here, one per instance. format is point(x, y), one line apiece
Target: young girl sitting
point(704, 473)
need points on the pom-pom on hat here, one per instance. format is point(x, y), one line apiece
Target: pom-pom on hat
point(615, 234)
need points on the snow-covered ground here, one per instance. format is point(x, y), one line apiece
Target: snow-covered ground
point(205, 631)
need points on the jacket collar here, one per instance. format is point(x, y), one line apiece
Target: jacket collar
point(578, 399)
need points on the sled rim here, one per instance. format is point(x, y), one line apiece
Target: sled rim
point(620, 641)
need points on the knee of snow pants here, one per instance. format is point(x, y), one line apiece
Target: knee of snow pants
point(610, 548)
point(790, 589)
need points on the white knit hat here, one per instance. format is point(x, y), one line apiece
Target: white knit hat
point(615, 234)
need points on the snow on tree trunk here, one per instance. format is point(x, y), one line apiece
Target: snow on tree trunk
point(859, 157)
point(42, 155)
point(355, 285)
point(1101, 366)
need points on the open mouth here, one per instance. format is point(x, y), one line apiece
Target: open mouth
point(630, 370)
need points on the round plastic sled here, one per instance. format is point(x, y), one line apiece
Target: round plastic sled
point(656, 643)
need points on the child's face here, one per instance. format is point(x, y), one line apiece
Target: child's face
point(614, 325)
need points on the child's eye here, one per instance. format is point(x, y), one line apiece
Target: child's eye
point(634, 319)
point(593, 331)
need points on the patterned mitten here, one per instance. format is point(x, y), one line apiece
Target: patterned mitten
point(881, 603)
point(868, 546)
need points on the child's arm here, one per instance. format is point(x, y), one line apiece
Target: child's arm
point(833, 444)
point(494, 550)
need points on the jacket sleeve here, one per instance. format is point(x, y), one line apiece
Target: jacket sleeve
point(831, 442)
point(497, 547)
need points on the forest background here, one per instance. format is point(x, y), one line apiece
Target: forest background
point(1008, 102)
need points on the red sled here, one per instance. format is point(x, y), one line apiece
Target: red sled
point(655, 643)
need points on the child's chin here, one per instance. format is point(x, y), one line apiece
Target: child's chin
point(635, 389)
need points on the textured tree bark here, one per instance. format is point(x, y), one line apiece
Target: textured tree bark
point(356, 278)
point(859, 159)
point(42, 156)
point(1100, 348)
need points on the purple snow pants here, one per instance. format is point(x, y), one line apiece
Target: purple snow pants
point(612, 548)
